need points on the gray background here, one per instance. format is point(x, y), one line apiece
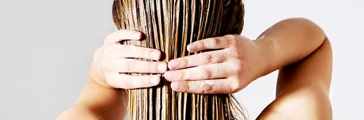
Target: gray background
point(47, 45)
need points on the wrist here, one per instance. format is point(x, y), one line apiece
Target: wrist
point(267, 54)
point(96, 75)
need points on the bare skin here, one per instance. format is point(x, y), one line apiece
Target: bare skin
point(296, 47)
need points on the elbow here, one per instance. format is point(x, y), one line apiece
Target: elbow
point(312, 30)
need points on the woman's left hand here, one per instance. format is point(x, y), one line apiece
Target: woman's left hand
point(234, 62)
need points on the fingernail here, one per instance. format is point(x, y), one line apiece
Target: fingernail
point(176, 86)
point(155, 54)
point(167, 76)
point(172, 64)
point(155, 80)
point(162, 67)
point(191, 47)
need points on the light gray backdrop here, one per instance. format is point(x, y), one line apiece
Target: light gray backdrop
point(47, 45)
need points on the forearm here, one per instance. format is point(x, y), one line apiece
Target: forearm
point(289, 41)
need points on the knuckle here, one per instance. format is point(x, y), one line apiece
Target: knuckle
point(205, 72)
point(207, 57)
point(184, 87)
point(232, 39)
point(151, 66)
point(237, 67)
point(235, 52)
point(214, 39)
point(183, 62)
point(235, 86)
point(207, 88)
point(224, 42)
point(220, 56)
point(201, 44)
point(181, 75)
point(214, 42)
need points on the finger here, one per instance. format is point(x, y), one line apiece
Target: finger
point(211, 43)
point(123, 81)
point(122, 35)
point(198, 59)
point(212, 71)
point(130, 51)
point(136, 66)
point(217, 86)
point(211, 57)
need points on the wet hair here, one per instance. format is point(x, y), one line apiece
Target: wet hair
point(170, 25)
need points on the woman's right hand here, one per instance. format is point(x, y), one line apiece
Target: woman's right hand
point(110, 62)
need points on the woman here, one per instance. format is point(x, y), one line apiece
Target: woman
point(296, 46)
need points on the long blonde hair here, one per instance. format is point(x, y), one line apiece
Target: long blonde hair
point(169, 25)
